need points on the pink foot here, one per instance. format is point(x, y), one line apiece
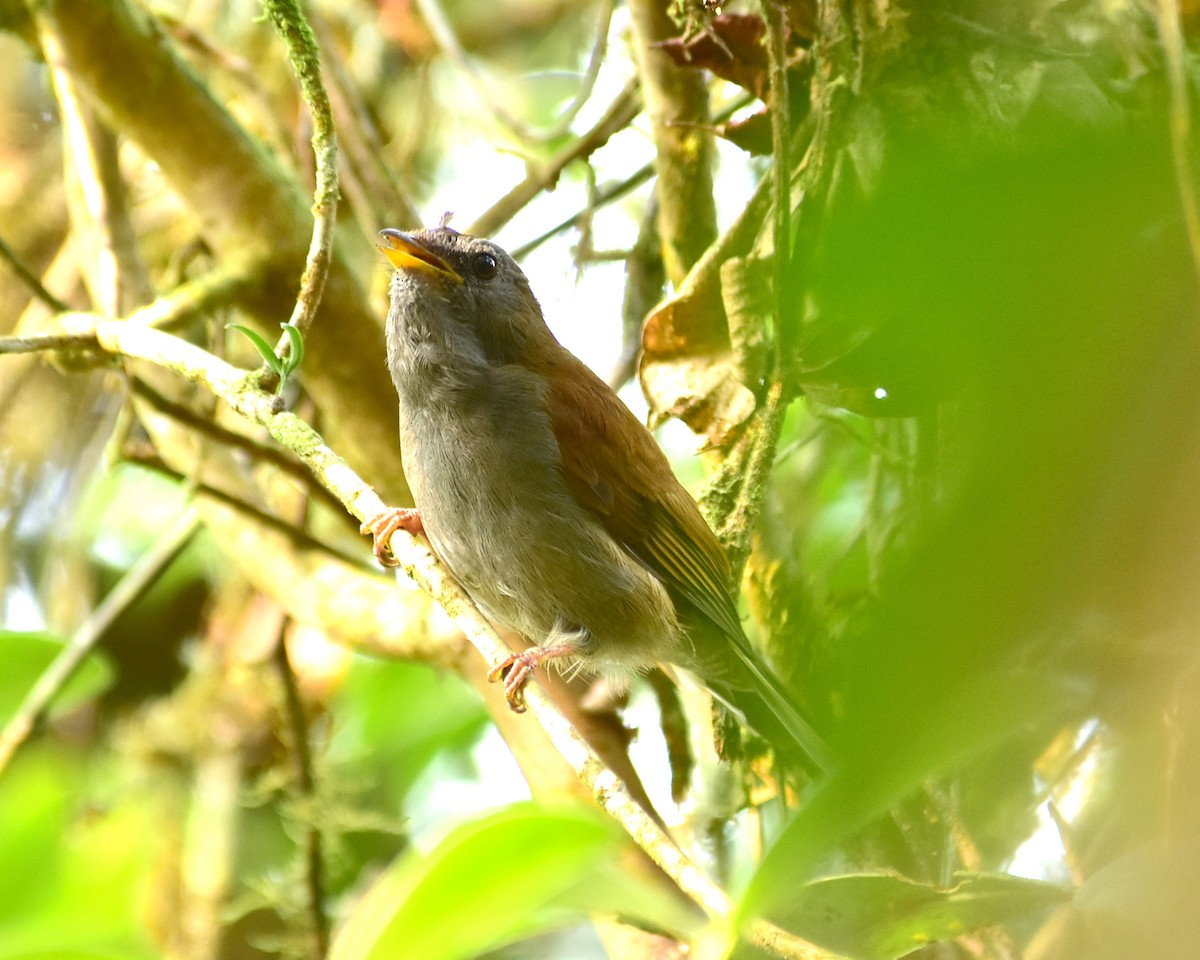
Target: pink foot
point(383, 525)
point(516, 668)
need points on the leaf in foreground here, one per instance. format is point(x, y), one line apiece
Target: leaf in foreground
point(521, 871)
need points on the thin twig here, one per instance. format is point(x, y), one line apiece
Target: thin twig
point(301, 754)
point(447, 40)
point(383, 200)
point(260, 452)
point(612, 192)
point(619, 115)
point(78, 330)
point(604, 196)
point(139, 578)
point(30, 279)
point(590, 74)
point(300, 539)
point(289, 22)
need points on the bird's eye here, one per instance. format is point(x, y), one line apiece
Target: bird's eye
point(484, 266)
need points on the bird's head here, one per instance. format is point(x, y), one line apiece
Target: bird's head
point(461, 301)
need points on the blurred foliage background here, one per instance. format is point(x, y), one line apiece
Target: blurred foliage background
point(921, 279)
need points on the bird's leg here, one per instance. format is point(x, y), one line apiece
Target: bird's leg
point(383, 525)
point(516, 668)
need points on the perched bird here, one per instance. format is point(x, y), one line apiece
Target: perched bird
point(545, 496)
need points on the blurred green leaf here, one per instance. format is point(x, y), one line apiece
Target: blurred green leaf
point(885, 916)
point(72, 874)
point(27, 655)
point(36, 813)
point(393, 718)
point(521, 871)
point(982, 712)
point(125, 510)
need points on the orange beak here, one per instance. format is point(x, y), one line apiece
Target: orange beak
point(405, 252)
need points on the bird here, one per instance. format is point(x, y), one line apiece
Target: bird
point(548, 499)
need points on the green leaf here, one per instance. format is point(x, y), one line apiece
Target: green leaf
point(296, 347)
point(885, 916)
point(260, 344)
point(74, 870)
point(978, 714)
point(282, 367)
point(521, 871)
point(27, 655)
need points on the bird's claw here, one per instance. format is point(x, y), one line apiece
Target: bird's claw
point(514, 670)
point(383, 525)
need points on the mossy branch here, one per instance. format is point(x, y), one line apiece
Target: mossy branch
point(290, 23)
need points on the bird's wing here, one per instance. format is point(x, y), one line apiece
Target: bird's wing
point(616, 470)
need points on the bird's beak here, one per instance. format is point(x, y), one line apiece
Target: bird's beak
point(405, 252)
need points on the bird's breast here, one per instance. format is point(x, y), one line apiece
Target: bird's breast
point(487, 475)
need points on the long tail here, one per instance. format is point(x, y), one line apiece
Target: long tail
point(776, 709)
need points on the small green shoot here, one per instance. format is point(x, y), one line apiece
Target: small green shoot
point(283, 367)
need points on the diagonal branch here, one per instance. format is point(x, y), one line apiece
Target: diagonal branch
point(616, 118)
point(139, 578)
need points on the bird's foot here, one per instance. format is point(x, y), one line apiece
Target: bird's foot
point(516, 668)
point(383, 525)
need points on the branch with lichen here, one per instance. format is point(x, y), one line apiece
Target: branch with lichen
point(238, 389)
point(289, 22)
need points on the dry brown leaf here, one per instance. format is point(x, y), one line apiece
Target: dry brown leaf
point(688, 369)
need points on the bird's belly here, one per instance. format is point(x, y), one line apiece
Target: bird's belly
point(497, 510)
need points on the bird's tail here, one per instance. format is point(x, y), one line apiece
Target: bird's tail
point(770, 709)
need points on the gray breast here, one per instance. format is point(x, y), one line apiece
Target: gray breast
point(486, 474)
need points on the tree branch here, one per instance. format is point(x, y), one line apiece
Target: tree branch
point(288, 20)
point(29, 279)
point(619, 115)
